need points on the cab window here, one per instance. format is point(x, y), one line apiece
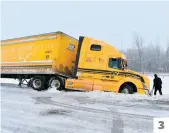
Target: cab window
point(95, 47)
point(114, 63)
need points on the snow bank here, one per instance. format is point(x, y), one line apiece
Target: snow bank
point(107, 96)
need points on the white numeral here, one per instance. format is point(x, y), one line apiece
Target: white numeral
point(161, 125)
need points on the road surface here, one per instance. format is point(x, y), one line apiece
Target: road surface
point(24, 110)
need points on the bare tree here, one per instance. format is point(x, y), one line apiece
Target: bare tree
point(138, 42)
point(150, 58)
point(167, 56)
point(167, 51)
point(158, 54)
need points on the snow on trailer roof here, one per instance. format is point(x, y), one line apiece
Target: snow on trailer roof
point(44, 36)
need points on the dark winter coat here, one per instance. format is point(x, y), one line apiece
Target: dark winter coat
point(157, 83)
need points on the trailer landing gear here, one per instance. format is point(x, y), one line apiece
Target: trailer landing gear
point(21, 81)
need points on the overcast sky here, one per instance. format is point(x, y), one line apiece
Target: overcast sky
point(112, 22)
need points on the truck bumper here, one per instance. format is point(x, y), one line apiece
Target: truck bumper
point(143, 91)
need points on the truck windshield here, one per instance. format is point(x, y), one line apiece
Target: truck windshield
point(114, 63)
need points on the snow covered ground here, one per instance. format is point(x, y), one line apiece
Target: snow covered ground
point(24, 110)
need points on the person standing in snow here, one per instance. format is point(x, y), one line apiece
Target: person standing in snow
point(157, 84)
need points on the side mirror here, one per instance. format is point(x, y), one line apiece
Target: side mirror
point(121, 67)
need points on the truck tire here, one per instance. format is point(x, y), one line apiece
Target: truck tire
point(37, 83)
point(56, 82)
point(127, 89)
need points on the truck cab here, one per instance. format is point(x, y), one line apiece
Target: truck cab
point(100, 66)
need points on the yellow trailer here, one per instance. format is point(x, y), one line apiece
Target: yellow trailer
point(40, 55)
point(60, 61)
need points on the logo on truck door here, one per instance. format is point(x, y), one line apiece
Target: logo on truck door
point(71, 47)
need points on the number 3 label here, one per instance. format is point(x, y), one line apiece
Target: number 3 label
point(161, 125)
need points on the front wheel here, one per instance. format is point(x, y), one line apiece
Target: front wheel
point(127, 89)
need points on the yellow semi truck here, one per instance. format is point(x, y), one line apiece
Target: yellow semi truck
point(61, 61)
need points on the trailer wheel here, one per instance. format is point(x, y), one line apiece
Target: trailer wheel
point(56, 82)
point(38, 83)
point(127, 89)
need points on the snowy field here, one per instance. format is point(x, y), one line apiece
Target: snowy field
point(24, 110)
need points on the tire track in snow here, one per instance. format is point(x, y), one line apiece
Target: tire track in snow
point(45, 100)
point(140, 122)
point(84, 100)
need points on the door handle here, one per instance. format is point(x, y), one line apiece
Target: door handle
point(103, 77)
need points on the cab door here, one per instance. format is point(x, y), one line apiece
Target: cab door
point(111, 79)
